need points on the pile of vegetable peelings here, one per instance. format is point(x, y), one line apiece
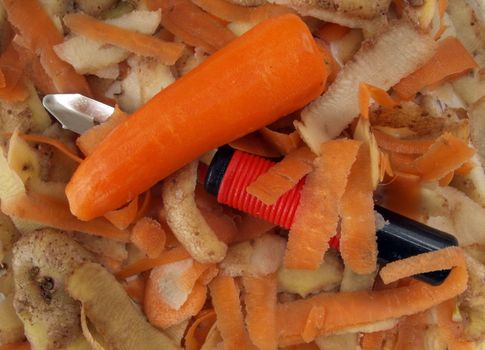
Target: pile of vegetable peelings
point(109, 241)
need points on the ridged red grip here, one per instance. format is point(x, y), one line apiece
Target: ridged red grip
point(242, 170)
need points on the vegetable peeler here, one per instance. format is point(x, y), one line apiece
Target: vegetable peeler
point(398, 238)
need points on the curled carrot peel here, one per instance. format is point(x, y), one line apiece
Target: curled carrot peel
point(357, 237)
point(136, 289)
point(283, 176)
point(13, 88)
point(197, 332)
point(54, 143)
point(450, 60)
point(348, 309)
point(255, 143)
point(245, 98)
point(141, 44)
point(394, 144)
point(367, 91)
point(402, 194)
point(411, 332)
point(123, 217)
point(442, 259)
point(373, 341)
point(147, 199)
point(317, 216)
point(284, 143)
point(149, 236)
point(452, 332)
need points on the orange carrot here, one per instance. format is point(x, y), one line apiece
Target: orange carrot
point(260, 300)
point(54, 143)
point(411, 332)
point(136, 289)
point(236, 13)
point(465, 168)
point(149, 236)
point(450, 60)
point(167, 257)
point(450, 331)
point(194, 26)
point(13, 89)
point(447, 154)
point(332, 32)
point(160, 314)
point(367, 91)
point(317, 216)
point(402, 194)
point(55, 213)
point(230, 322)
point(35, 25)
point(358, 232)
point(446, 180)
point(123, 217)
point(394, 144)
point(442, 259)
point(283, 176)
point(348, 309)
point(373, 341)
point(197, 332)
point(141, 44)
point(16, 346)
point(261, 82)
point(255, 144)
point(284, 143)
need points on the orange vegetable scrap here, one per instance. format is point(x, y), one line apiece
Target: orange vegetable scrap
point(54, 143)
point(16, 346)
point(230, 322)
point(394, 144)
point(283, 176)
point(284, 143)
point(447, 154)
point(148, 236)
point(260, 300)
point(331, 63)
point(317, 215)
point(367, 91)
point(13, 88)
point(411, 332)
point(452, 332)
point(373, 341)
point(141, 44)
point(256, 144)
point(402, 194)
point(332, 32)
point(136, 289)
point(123, 217)
point(197, 332)
point(357, 236)
point(450, 60)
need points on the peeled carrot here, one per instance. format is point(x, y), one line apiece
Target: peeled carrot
point(261, 82)
point(316, 218)
point(35, 25)
point(230, 322)
point(437, 260)
point(450, 59)
point(451, 331)
point(394, 144)
point(14, 88)
point(260, 300)
point(358, 232)
point(149, 236)
point(367, 91)
point(16, 346)
point(197, 332)
point(194, 26)
point(447, 154)
point(123, 217)
point(141, 44)
point(332, 31)
point(283, 176)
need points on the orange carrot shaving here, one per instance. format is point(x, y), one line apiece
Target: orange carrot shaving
point(160, 314)
point(317, 216)
point(123, 217)
point(411, 332)
point(13, 88)
point(449, 330)
point(394, 144)
point(88, 141)
point(136, 289)
point(373, 341)
point(348, 309)
point(332, 32)
point(402, 162)
point(357, 236)
point(367, 91)
point(465, 168)
point(314, 322)
point(442, 6)
point(446, 154)
point(149, 236)
point(442, 259)
point(36, 27)
point(333, 67)
point(52, 142)
point(283, 176)
point(147, 198)
point(236, 13)
point(16, 346)
point(197, 332)
point(230, 322)
point(260, 300)
point(194, 26)
point(167, 257)
point(446, 180)
point(450, 60)
point(402, 194)
point(255, 144)
point(385, 167)
point(141, 44)
point(284, 143)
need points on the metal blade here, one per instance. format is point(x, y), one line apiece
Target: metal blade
point(76, 112)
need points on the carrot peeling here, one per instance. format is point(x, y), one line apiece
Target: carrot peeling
point(411, 332)
point(373, 341)
point(366, 91)
point(141, 44)
point(230, 322)
point(451, 331)
point(54, 143)
point(256, 144)
point(402, 194)
point(260, 300)
point(284, 143)
point(149, 236)
point(13, 88)
point(136, 289)
point(123, 217)
point(283, 176)
point(314, 322)
point(358, 232)
point(394, 144)
point(197, 332)
point(450, 60)
point(317, 215)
